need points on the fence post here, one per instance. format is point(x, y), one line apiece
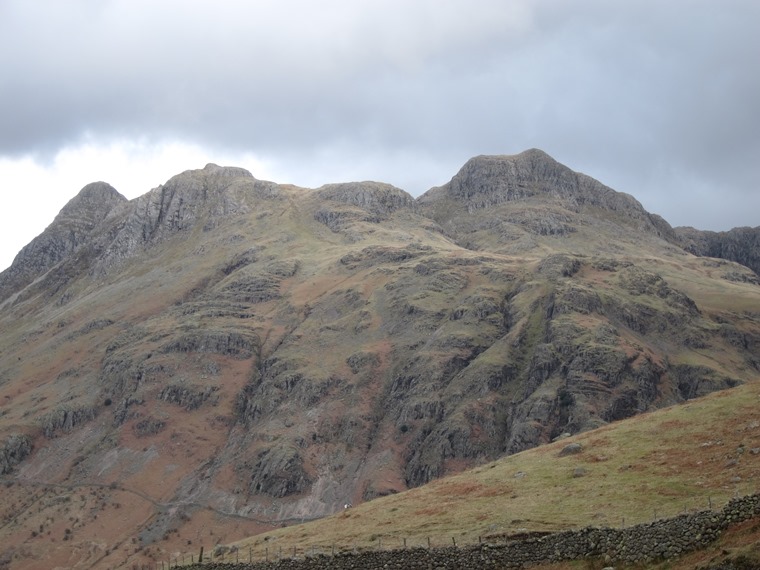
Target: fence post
point(200, 556)
point(454, 540)
point(404, 542)
point(428, 543)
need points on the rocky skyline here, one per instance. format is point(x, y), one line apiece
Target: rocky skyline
point(657, 99)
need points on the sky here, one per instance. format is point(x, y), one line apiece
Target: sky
point(655, 98)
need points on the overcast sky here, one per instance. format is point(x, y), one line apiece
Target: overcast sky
point(659, 99)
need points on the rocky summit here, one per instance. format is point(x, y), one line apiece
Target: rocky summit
point(224, 354)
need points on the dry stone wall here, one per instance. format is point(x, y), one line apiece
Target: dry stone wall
point(661, 539)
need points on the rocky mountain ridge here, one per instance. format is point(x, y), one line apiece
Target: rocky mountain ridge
point(266, 353)
point(486, 182)
point(741, 245)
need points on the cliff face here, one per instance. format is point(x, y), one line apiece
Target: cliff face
point(741, 245)
point(536, 194)
point(229, 347)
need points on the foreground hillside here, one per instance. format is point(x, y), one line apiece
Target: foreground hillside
point(225, 354)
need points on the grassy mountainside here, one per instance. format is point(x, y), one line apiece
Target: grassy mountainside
point(224, 354)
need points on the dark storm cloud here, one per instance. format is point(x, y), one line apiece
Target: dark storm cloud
point(657, 99)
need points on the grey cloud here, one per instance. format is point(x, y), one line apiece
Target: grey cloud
point(653, 98)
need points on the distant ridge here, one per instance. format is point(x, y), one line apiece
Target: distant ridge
point(741, 245)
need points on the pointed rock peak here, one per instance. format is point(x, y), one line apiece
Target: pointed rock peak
point(98, 190)
point(71, 228)
point(96, 197)
point(376, 197)
point(535, 154)
point(538, 159)
point(226, 171)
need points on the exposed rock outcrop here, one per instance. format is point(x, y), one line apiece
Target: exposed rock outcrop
point(278, 472)
point(741, 245)
point(187, 397)
point(148, 427)
point(195, 197)
point(14, 450)
point(375, 197)
point(72, 228)
point(237, 345)
point(485, 182)
point(65, 419)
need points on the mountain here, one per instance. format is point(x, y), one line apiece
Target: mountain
point(224, 354)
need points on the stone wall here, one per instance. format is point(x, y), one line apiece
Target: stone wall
point(661, 539)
